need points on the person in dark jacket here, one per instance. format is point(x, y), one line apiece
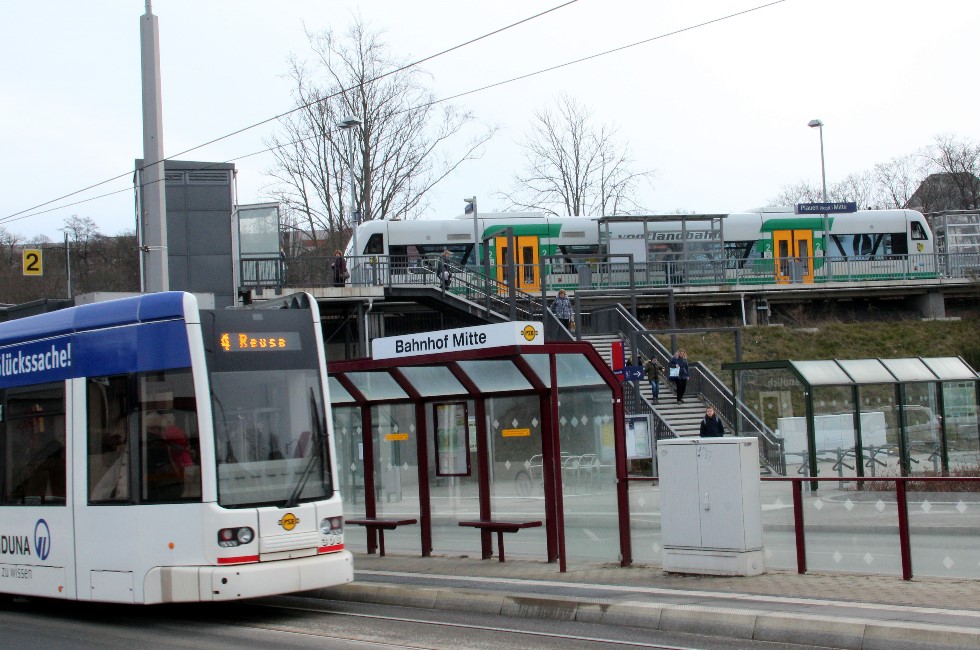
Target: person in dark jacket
point(653, 369)
point(339, 267)
point(680, 375)
point(711, 425)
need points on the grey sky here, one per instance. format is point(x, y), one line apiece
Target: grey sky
point(720, 111)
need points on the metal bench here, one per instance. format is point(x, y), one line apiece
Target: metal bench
point(500, 527)
point(380, 525)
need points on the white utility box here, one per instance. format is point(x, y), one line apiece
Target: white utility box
point(711, 516)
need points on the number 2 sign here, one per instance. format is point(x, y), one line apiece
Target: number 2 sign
point(32, 262)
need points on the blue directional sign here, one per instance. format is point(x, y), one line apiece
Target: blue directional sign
point(838, 207)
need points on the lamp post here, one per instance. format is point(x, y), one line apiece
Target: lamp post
point(818, 124)
point(349, 124)
point(471, 207)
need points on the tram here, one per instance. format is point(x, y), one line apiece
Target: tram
point(156, 452)
point(762, 246)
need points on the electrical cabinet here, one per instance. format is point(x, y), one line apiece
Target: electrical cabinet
point(711, 515)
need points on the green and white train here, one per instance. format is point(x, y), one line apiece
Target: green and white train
point(764, 246)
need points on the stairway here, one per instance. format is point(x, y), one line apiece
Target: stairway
point(684, 418)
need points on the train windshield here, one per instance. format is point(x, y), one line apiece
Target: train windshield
point(270, 437)
point(269, 414)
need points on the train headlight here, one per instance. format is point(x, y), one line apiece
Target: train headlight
point(228, 537)
point(332, 526)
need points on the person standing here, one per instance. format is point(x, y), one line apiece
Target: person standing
point(678, 372)
point(561, 307)
point(652, 369)
point(339, 266)
point(711, 425)
point(443, 270)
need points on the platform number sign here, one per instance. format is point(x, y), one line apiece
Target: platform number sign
point(32, 262)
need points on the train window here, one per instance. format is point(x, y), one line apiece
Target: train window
point(375, 245)
point(918, 231)
point(34, 445)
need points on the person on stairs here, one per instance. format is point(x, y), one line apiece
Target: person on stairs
point(678, 372)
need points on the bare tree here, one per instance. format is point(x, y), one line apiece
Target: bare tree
point(574, 168)
point(897, 180)
point(958, 160)
point(398, 147)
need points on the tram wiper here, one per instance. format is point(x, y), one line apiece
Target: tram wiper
point(318, 426)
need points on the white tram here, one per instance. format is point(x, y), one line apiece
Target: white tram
point(156, 452)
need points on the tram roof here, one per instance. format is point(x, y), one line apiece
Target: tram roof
point(135, 309)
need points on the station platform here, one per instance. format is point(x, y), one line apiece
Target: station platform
point(833, 610)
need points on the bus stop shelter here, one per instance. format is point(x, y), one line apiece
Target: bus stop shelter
point(866, 417)
point(521, 434)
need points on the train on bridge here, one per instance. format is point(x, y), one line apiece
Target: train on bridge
point(768, 246)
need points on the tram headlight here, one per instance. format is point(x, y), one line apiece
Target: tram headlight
point(332, 526)
point(229, 537)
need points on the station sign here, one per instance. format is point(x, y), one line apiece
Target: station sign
point(458, 340)
point(834, 207)
point(33, 262)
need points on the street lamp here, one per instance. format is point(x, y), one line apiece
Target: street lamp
point(823, 175)
point(349, 124)
point(471, 207)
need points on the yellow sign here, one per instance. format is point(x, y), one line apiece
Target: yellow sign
point(396, 436)
point(32, 262)
point(516, 433)
point(289, 521)
point(529, 333)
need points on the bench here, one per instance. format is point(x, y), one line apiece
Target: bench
point(500, 527)
point(380, 525)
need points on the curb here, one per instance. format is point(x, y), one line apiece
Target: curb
point(750, 624)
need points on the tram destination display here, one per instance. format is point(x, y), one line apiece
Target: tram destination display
point(259, 341)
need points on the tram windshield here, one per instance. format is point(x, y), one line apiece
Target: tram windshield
point(270, 437)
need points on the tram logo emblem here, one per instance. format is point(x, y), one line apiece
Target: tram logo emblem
point(42, 540)
point(289, 521)
point(529, 333)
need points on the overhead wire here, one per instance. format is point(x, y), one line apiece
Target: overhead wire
point(16, 216)
point(304, 106)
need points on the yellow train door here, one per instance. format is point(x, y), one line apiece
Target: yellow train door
point(793, 256)
point(525, 261)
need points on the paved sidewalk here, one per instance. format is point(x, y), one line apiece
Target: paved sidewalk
point(827, 610)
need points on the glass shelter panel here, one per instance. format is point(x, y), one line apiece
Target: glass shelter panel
point(588, 474)
point(396, 472)
point(431, 381)
point(923, 428)
point(880, 432)
point(377, 386)
point(350, 462)
point(822, 373)
point(495, 376)
point(775, 395)
point(867, 371)
point(833, 430)
point(516, 467)
point(576, 370)
point(541, 365)
point(962, 428)
point(453, 498)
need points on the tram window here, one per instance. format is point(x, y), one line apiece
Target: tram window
point(34, 462)
point(156, 410)
point(108, 403)
point(169, 438)
point(918, 232)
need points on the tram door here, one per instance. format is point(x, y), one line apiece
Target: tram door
point(793, 254)
point(525, 261)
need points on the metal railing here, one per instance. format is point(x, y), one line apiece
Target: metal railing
point(315, 271)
